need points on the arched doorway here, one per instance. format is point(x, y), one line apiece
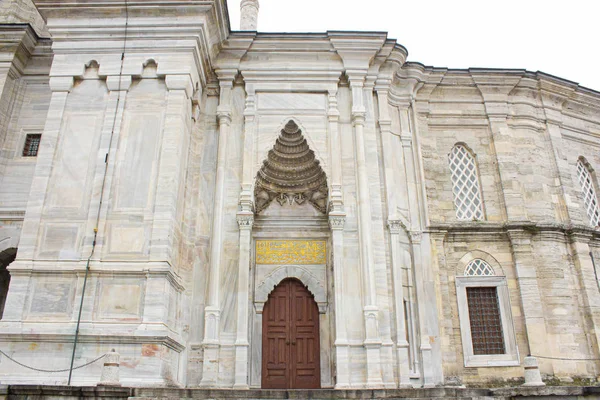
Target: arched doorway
point(290, 341)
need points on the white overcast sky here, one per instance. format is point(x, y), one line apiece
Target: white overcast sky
point(561, 38)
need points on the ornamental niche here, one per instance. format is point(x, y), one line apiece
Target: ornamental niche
point(291, 173)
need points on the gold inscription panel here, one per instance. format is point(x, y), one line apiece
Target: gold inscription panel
point(291, 252)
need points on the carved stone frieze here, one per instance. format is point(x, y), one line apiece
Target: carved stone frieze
point(291, 173)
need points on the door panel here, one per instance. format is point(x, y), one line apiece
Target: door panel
point(275, 336)
point(291, 338)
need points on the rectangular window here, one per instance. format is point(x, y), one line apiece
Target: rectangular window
point(486, 323)
point(32, 145)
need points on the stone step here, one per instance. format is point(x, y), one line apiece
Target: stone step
point(313, 394)
point(28, 392)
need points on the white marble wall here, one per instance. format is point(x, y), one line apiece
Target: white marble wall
point(130, 148)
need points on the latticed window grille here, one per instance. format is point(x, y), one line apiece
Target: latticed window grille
point(32, 145)
point(478, 267)
point(485, 320)
point(465, 184)
point(589, 193)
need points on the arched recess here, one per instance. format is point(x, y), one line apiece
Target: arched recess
point(266, 286)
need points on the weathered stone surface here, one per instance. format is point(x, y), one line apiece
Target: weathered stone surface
point(147, 168)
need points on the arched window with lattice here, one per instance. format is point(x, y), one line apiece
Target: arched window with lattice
point(590, 200)
point(465, 184)
point(479, 267)
point(484, 312)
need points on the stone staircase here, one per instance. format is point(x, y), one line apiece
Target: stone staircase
point(31, 392)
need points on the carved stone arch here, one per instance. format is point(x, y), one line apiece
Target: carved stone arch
point(92, 64)
point(149, 69)
point(91, 70)
point(266, 286)
point(479, 254)
point(467, 147)
point(590, 169)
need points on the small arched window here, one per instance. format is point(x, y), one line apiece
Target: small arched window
point(590, 199)
point(478, 267)
point(465, 184)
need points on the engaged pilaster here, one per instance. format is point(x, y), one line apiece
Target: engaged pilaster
point(342, 350)
point(336, 201)
point(397, 229)
point(584, 264)
point(173, 159)
point(245, 220)
point(372, 341)
point(61, 87)
point(533, 311)
point(212, 311)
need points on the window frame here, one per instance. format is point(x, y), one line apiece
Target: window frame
point(593, 188)
point(477, 173)
point(37, 136)
point(20, 145)
point(511, 355)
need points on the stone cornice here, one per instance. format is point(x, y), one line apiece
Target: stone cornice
point(533, 228)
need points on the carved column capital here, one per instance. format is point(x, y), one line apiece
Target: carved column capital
point(416, 236)
point(224, 117)
point(245, 220)
point(358, 117)
point(337, 222)
point(395, 226)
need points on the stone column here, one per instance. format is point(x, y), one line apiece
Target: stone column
point(531, 300)
point(60, 86)
point(335, 154)
point(372, 341)
point(212, 311)
point(245, 219)
point(342, 350)
point(171, 170)
point(248, 173)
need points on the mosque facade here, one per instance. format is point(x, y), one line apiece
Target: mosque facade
point(235, 209)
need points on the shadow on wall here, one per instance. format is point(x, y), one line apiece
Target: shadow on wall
point(6, 257)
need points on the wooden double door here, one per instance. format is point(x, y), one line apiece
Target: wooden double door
point(290, 339)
